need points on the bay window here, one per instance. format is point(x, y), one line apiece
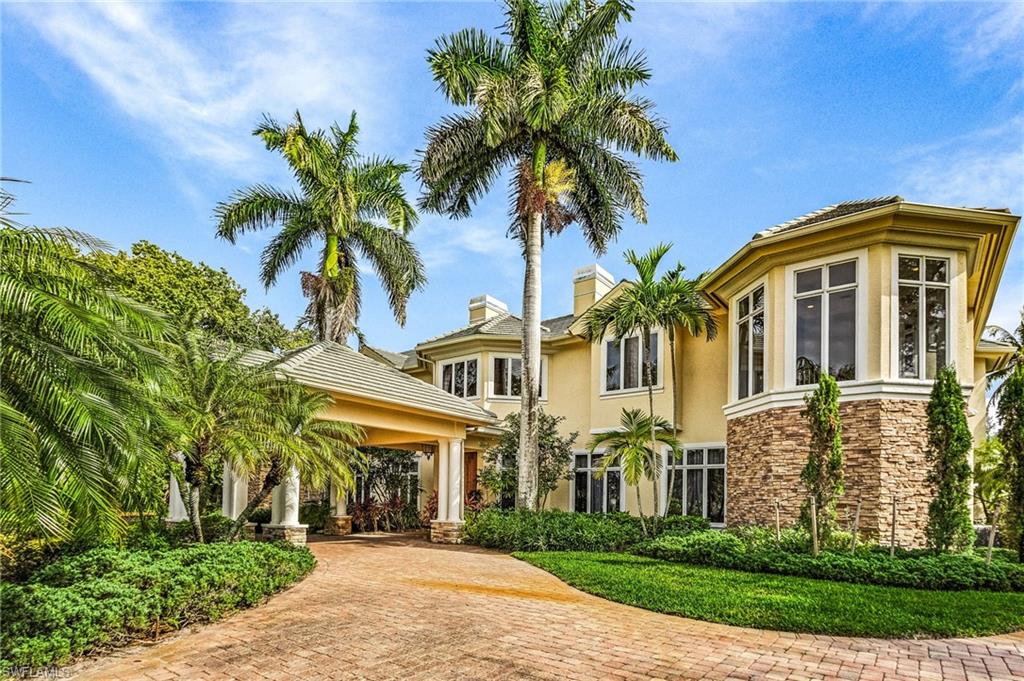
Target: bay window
point(826, 322)
point(507, 377)
point(750, 343)
point(698, 483)
point(460, 378)
point(923, 325)
point(593, 494)
point(624, 363)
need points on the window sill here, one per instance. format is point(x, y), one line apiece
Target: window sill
point(629, 392)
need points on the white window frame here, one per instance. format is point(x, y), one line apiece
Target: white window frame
point(604, 481)
point(680, 466)
point(492, 395)
point(953, 309)
point(734, 343)
point(862, 312)
point(659, 356)
point(439, 371)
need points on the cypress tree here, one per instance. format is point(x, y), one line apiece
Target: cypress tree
point(823, 473)
point(949, 476)
point(1011, 433)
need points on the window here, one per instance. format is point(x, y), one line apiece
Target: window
point(698, 486)
point(750, 343)
point(624, 365)
point(507, 376)
point(381, 482)
point(826, 322)
point(592, 494)
point(923, 325)
point(459, 378)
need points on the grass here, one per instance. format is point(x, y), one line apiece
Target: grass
point(784, 603)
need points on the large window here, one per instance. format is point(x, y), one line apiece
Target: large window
point(750, 343)
point(507, 376)
point(624, 363)
point(698, 486)
point(923, 315)
point(383, 481)
point(826, 322)
point(460, 378)
point(592, 494)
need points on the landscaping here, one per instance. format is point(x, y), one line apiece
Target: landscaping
point(782, 602)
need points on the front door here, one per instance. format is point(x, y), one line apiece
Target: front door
point(469, 472)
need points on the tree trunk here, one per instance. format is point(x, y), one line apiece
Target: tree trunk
point(195, 494)
point(271, 480)
point(530, 401)
point(654, 440)
point(195, 476)
point(675, 410)
point(640, 510)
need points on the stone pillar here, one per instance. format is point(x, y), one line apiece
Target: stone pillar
point(447, 529)
point(234, 492)
point(284, 511)
point(340, 523)
point(177, 512)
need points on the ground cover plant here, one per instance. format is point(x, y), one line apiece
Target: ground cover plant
point(108, 596)
point(783, 603)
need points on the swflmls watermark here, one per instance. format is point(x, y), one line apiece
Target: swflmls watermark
point(27, 672)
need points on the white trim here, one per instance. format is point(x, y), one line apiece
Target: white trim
point(852, 391)
point(734, 351)
point(659, 385)
point(545, 362)
point(860, 255)
point(663, 487)
point(572, 481)
point(440, 364)
point(953, 307)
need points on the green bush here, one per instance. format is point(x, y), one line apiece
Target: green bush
point(871, 566)
point(109, 596)
point(216, 527)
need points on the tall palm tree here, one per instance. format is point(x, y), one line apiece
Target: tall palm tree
point(77, 370)
point(634, 448)
point(1015, 339)
point(556, 90)
point(322, 451)
point(346, 204)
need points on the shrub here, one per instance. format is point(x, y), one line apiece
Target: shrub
point(553, 530)
point(109, 596)
point(216, 528)
point(869, 566)
point(315, 514)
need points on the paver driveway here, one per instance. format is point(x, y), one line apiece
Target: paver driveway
point(401, 608)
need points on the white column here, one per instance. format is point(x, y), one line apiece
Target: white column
point(339, 500)
point(176, 510)
point(456, 491)
point(277, 504)
point(284, 508)
point(234, 492)
point(442, 479)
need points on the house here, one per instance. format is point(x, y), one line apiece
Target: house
point(880, 292)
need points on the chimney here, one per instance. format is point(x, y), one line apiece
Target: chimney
point(589, 284)
point(482, 308)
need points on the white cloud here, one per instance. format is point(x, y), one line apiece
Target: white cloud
point(197, 81)
point(443, 242)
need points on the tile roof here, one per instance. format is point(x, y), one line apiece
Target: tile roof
point(334, 367)
point(504, 325)
point(836, 210)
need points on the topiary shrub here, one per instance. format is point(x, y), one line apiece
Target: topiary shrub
point(554, 530)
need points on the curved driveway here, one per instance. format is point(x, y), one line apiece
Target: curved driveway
point(397, 607)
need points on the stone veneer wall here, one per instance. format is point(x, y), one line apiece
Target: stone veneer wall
point(884, 448)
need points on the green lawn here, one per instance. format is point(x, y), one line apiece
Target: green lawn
point(784, 603)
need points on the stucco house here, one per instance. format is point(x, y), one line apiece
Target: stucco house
point(881, 292)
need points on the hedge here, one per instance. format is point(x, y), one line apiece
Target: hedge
point(107, 597)
point(556, 530)
point(948, 572)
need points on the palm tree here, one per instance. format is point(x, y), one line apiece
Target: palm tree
point(77, 370)
point(321, 450)
point(556, 91)
point(224, 407)
point(634, 447)
point(1015, 339)
point(349, 204)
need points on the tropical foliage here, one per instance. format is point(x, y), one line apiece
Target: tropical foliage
point(500, 475)
point(1011, 434)
point(551, 102)
point(347, 206)
point(822, 475)
point(949, 475)
point(990, 477)
point(1014, 339)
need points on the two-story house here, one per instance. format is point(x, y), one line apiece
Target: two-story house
point(881, 293)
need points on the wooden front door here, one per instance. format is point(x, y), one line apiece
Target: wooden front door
point(469, 472)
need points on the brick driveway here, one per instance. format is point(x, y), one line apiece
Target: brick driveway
point(400, 608)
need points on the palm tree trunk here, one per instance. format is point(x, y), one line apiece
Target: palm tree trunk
point(195, 476)
point(530, 401)
point(195, 494)
point(640, 510)
point(271, 480)
point(654, 446)
point(675, 407)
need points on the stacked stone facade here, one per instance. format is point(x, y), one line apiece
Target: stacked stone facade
point(884, 455)
point(445, 532)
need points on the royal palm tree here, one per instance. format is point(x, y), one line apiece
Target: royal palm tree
point(555, 91)
point(77, 370)
point(346, 204)
point(634, 448)
point(321, 450)
point(1015, 339)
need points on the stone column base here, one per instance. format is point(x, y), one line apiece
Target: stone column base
point(338, 525)
point(294, 534)
point(446, 532)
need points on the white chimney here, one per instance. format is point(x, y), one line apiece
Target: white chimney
point(482, 308)
point(589, 284)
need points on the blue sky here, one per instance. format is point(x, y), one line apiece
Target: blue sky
point(132, 121)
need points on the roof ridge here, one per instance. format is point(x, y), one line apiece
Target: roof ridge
point(302, 355)
point(489, 324)
point(809, 218)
